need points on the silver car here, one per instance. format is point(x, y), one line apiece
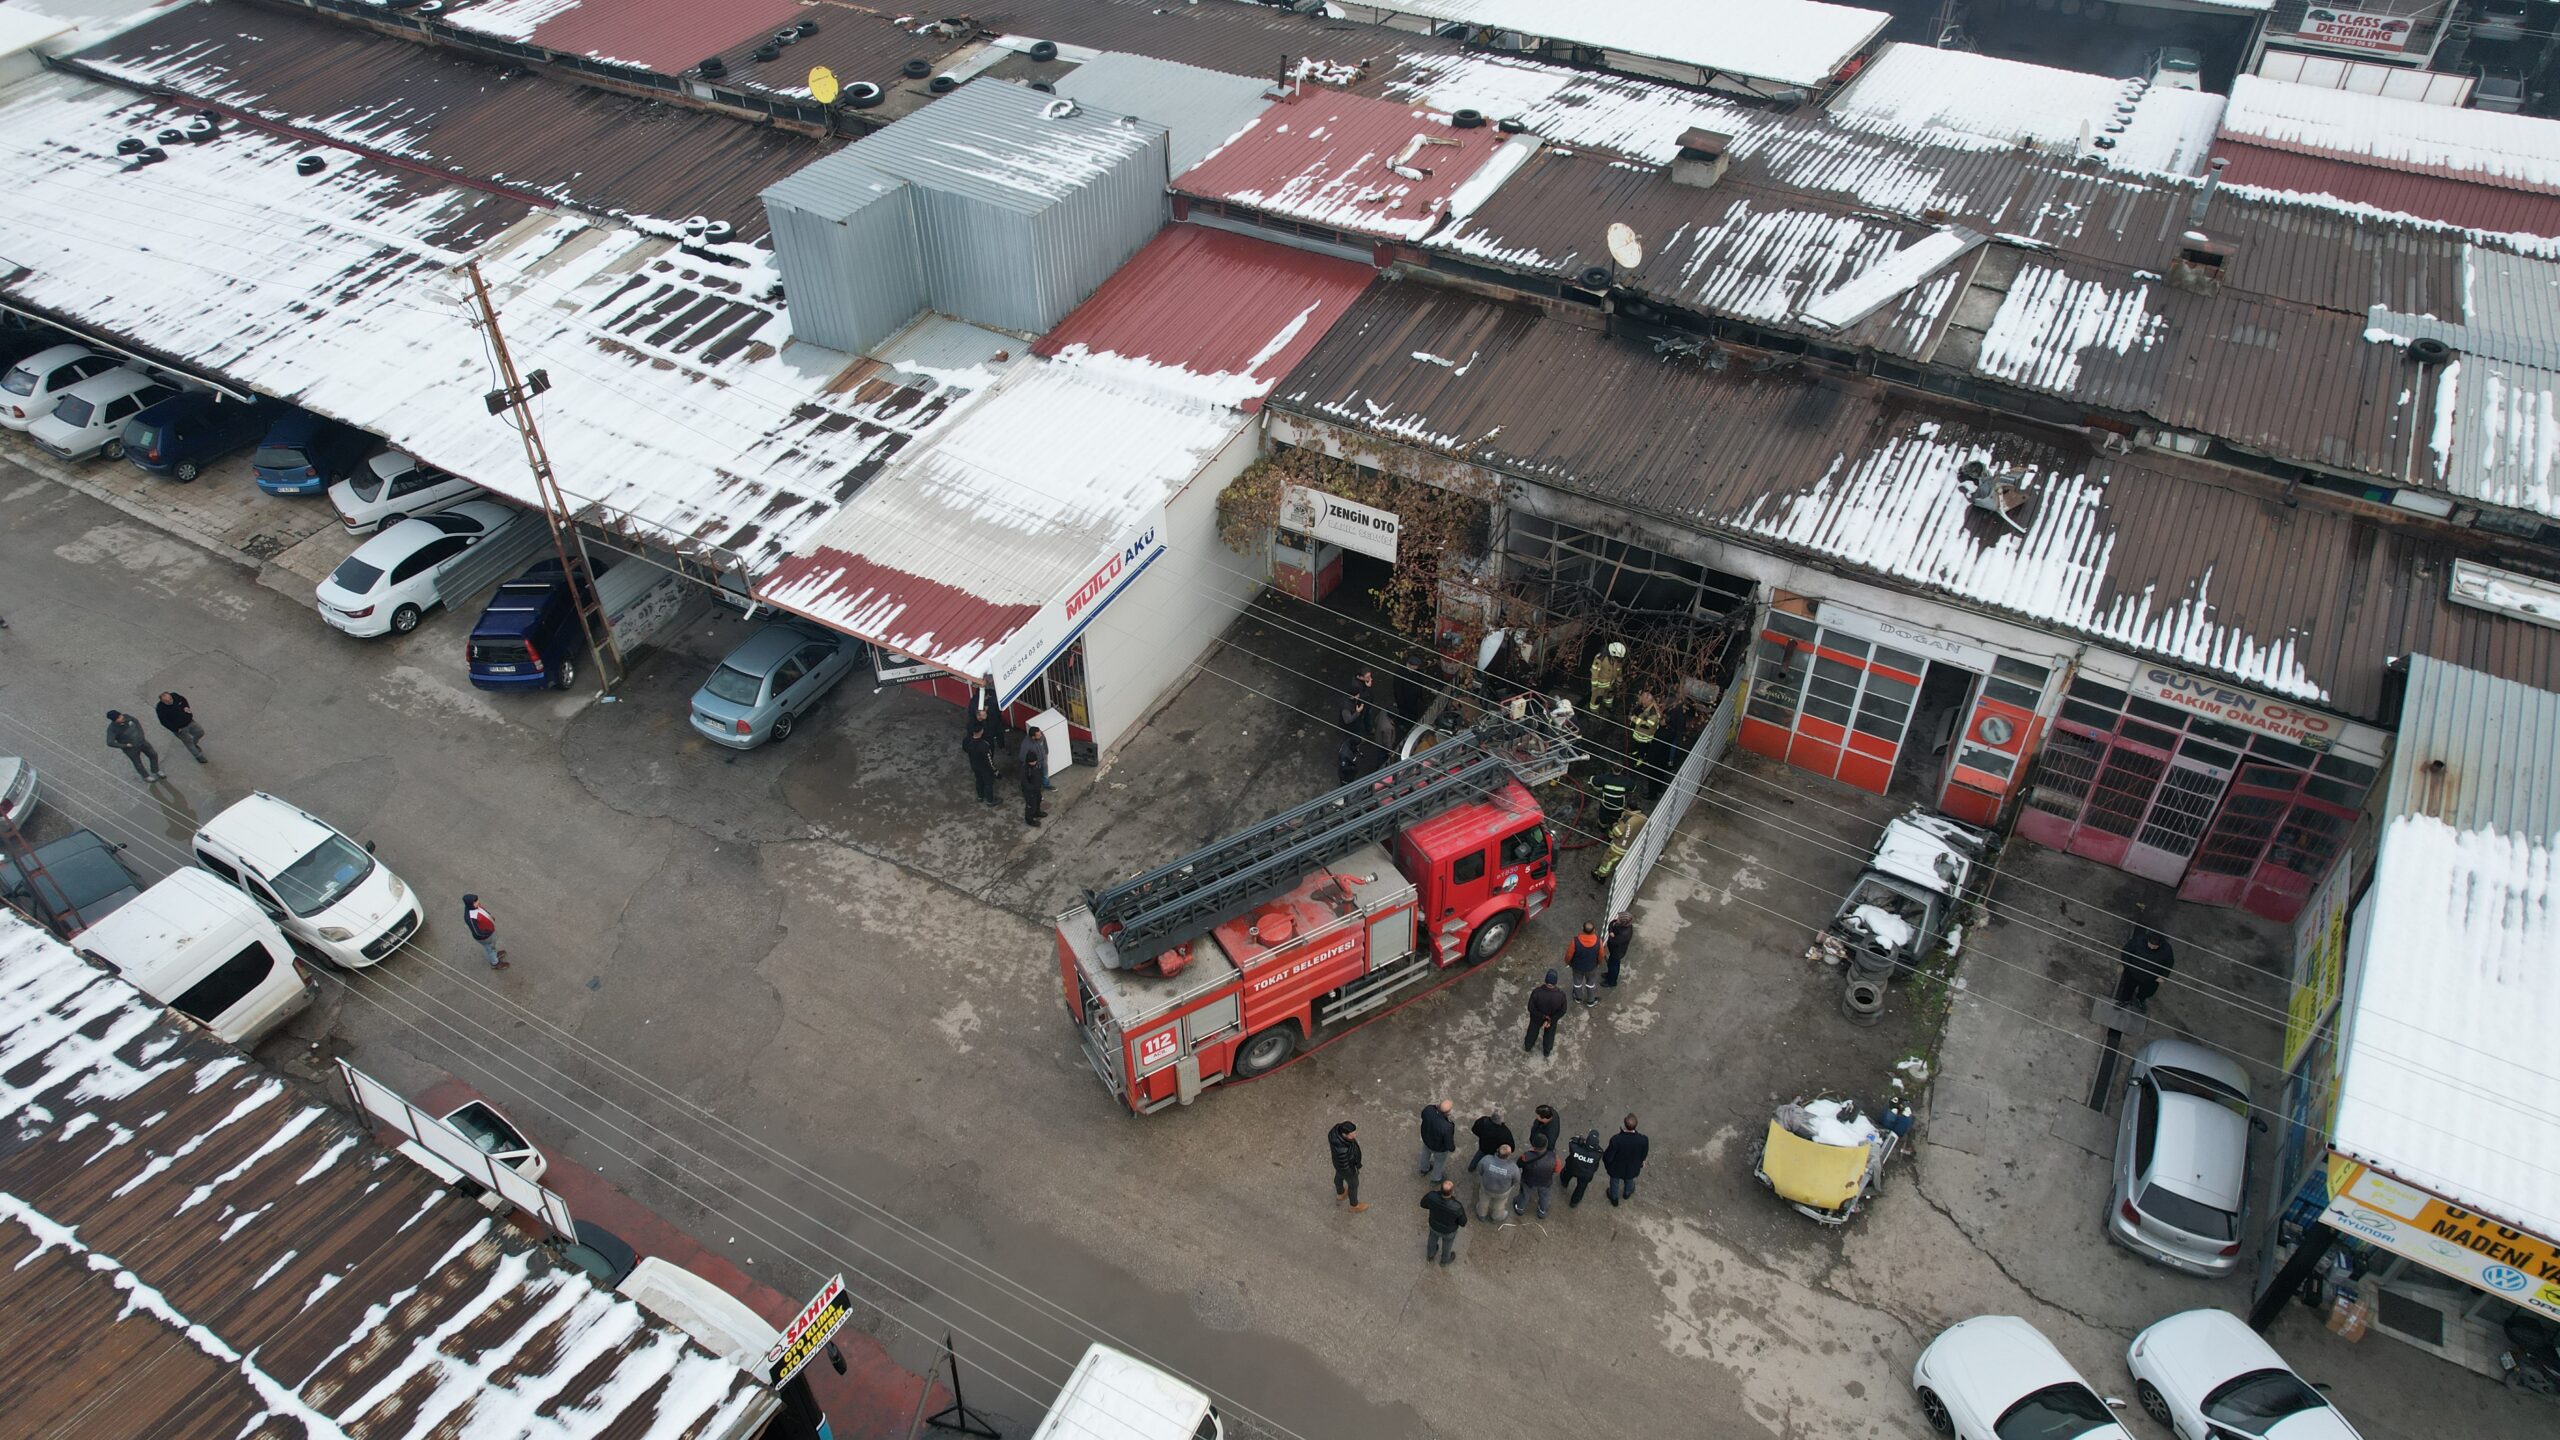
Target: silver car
point(760, 692)
point(2182, 1159)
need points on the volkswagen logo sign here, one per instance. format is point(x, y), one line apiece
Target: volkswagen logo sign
point(2505, 1279)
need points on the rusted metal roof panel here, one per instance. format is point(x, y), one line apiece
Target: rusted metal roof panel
point(667, 36)
point(1226, 311)
point(2464, 202)
point(2220, 575)
point(193, 1245)
point(448, 114)
point(1349, 163)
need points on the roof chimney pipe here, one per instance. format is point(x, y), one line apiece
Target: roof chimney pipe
point(2204, 193)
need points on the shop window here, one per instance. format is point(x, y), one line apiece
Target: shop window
point(2106, 697)
point(1548, 558)
point(2340, 767)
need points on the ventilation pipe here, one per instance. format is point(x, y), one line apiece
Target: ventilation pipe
point(2204, 192)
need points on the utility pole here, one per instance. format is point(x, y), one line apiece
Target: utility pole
point(510, 401)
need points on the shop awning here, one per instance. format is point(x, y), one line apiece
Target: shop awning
point(989, 549)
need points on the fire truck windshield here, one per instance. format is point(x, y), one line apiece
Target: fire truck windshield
point(1526, 848)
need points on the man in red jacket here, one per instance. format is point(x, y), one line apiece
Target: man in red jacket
point(484, 928)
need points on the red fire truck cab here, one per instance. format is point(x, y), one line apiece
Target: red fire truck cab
point(1337, 942)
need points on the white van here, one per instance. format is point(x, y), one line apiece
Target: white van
point(324, 888)
point(1118, 1397)
point(204, 950)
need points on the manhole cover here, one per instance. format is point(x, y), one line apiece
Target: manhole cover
point(263, 547)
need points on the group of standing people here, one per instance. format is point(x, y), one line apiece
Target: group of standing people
point(1507, 1176)
point(983, 739)
point(176, 716)
point(1589, 951)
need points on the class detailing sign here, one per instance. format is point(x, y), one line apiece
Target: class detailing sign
point(2356, 29)
point(1337, 521)
point(2521, 1268)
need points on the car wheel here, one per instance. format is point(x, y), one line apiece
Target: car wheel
point(186, 471)
point(783, 725)
point(1267, 1051)
point(387, 521)
point(1491, 936)
point(1936, 1410)
point(404, 619)
point(112, 450)
point(2152, 1403)
point(564, 675)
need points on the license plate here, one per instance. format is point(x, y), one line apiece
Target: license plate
point(502, 669)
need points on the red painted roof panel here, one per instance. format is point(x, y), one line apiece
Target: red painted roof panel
point(667, 36)
point(1217, 305)
point(1346, 162)
point(2467, 203)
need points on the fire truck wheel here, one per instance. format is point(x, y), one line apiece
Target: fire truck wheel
point(1491, 936)
point(1267, 1050)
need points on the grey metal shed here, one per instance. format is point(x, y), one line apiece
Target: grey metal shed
point(1201, 109)
point(1019, 203)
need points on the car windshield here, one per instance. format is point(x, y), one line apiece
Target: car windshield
point(735, 685)
point(279, 457)
point(2203, 1087)
point(2259, 1399)
point(72, 410)
point(2193, 1216)
point(2056, 1412)
point(320, 879)
point(355, 576)
point(482, 1127)
point(368, 486)
point(141, 435)
point(19, 381)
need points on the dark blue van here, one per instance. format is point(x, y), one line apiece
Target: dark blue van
point(305, 455)
point(529, 636)
point(188, 431)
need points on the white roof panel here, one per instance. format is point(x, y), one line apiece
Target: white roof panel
point(2517, 151)
point(1793, 42)
point(1949, 96)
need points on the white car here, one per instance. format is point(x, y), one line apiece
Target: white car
point(88, 419)
point(2205, 1374)
point(1995, 1377)
point(479, 1122)
point(391, 487)
point(28, 391)
point(18, 789)
point(324, 889)
point(390, 581)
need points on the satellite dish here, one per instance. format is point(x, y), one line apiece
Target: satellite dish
point(1624, 247)
point(822, 85)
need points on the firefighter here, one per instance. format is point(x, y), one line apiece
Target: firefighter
point(1644, 726)
point(1605, 671)
point(1611, 790)
point(1621, 835)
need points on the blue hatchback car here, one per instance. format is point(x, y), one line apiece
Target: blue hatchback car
point(186, 432)
point(305, 455)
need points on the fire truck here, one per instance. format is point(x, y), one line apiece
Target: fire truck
point(1227, 963)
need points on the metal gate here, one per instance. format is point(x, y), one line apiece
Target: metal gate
point(1666, 816)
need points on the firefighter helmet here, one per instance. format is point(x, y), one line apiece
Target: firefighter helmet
point(1617, 650)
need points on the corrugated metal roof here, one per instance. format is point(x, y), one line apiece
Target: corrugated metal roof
point(1923, 92)
point(949, 555)
point(1792, 42)
point(2448, 1080)
point(997, 144)
point(2518, 152)
point(2219, 575)
point(1199, 109)
point(1228, 312)
point(667, 36)
point(454, 114)
point(192, 1245)
point(2428, 197)
point(2495, 436)
point(1348, 163)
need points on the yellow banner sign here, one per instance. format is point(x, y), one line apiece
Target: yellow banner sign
point(2480, 1252)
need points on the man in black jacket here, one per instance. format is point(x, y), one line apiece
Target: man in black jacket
point(1491, 1135)
point(1546, 1007)
point(978, 742)
point(1448, 1213)
point(1581, 1162)
point(1343, 1141)
point(1439, 1138)
point(1544, 1127)
point(1624, 1160)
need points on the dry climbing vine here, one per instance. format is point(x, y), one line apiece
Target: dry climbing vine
point(1442, 520)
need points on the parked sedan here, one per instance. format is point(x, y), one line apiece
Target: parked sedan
point(480, 1123)
point(390, 488)
point(29, 390)
point(74, 883)
point(188, 431)
point(390, 581)
point(89, 418)
point(2205, 1374)
point(1995, 1377)
point(760, 692)
point(2182, 1159)
point(19, 789)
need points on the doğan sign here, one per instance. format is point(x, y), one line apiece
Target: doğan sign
point(1337, 521)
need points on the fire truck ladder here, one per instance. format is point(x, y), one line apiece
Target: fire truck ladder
point(1187, 898)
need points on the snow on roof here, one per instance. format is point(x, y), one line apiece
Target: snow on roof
point(1793, 42)
point(999, 144)
point(23, 28)
point(289, 1276)
point(1897, 509)
point(1630, 117)
point(1351, 163)
point(1224, 313)
point(2496, 436)
point(1200, 109)
point(2050, 319)
point(2448, 1080)
point(1931, 94)
point(2515, 151)
point(676, 413)
point(953, 552)
point(1887, 280)
point(668, 36)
